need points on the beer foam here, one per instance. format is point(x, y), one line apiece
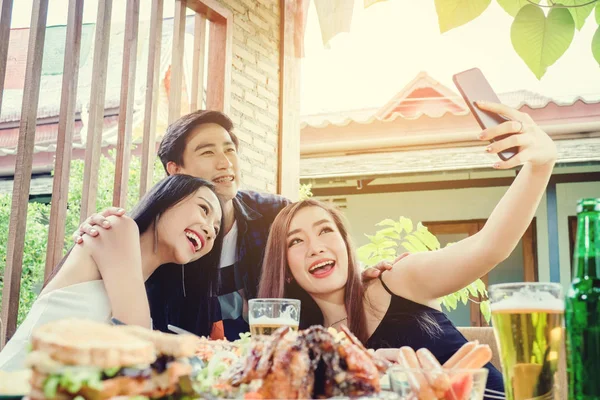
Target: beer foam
point(530, 301)
point(264, 320)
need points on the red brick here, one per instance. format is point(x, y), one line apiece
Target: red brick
point(252, 99)
point(242, 107)
point(243, 53)
point(267, 94)
point(264, 119)
point(243, 80)
point(254, 73)
point(258, 21)
point(262, 145)
point(254, 129)
point(271, 69)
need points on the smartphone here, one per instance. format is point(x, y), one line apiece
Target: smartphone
point(473, 87)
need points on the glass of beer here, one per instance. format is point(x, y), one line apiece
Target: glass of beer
point(267, 315)
point(528, 324)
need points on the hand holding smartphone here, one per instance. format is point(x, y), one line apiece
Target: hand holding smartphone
point(473, 87)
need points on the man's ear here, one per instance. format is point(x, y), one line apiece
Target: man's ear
point(173, 168)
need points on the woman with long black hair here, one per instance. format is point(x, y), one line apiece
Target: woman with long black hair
point(176, 223)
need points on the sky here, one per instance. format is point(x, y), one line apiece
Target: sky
point(390, 43)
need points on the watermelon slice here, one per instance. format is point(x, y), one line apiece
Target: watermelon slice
point(460, 388)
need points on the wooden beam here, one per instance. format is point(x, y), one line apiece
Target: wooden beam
point(211, 9)
point(132, 17)
point(443, 185)
point(197, 94)
point(178, 48)
point(64, 145)
point(151, 105)
point(96, 111)
point(288, 164)
point(22, 180)
point(530, 270)
point(218, 90)
point(5, 20)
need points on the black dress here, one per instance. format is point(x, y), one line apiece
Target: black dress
point(407, 323)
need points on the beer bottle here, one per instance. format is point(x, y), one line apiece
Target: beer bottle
point(582, 306)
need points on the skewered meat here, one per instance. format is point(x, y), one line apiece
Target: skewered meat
point(308, 364)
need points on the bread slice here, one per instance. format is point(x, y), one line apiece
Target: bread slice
point(84, 342)
point(178, 346)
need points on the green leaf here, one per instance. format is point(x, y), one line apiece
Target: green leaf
point(416, 243)
point(540, 41)
point(386, 222)
point(51, 386)
point(579, 14)
point(596, 45)
point(598, 12)
point(513, 6)
point(486, 311)
point(406, 224)
point(451, 301)
point(428, 238)
point(409, 247)
point(389, 233)
point(454, 13)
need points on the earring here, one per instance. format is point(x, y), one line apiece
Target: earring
point(183, 279)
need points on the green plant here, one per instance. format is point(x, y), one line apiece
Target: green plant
point(34, 254)
point(384, 245)
point(305, 192)
point(539, 39)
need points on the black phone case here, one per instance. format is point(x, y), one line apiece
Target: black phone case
point(473, 87)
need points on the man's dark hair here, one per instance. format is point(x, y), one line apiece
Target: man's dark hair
point(173, 143)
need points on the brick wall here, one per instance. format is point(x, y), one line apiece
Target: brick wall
point(255, 89)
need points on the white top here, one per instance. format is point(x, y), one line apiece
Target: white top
point(228, 252)
point(86, 300)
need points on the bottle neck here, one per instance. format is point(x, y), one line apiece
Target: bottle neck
point(586, 255)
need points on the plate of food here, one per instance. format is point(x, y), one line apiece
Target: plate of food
point(14, 385)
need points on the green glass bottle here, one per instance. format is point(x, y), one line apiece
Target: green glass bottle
point(582, 308)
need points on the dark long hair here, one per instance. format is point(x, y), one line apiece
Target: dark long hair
point(276, 283)
point(166, 194)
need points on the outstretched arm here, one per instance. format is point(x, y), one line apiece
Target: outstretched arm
point(430, 275)
point(117, 254)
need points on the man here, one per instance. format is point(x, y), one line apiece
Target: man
point(203, 144)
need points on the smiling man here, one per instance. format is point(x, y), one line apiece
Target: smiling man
point(203, 144)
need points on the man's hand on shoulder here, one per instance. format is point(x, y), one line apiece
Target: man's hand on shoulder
point(93, 222)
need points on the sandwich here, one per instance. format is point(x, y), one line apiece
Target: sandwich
point(73, 357)
point(96, 361)
point(172, 370)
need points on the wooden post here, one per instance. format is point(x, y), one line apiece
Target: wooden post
point(288, 165)
point(218, 90)
point(22, 181)
point(62, 166)
point(96, 111)
point(151, 106)
point(197, 94)
point(177, 60)
point(126, 104)
point(5, 18)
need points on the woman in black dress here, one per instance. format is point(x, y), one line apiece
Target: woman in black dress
point(309, 256)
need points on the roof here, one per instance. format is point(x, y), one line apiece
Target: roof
point(436, 102)
point(431, 160)
point(51, 84)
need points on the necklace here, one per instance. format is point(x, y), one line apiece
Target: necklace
point(337, 322)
